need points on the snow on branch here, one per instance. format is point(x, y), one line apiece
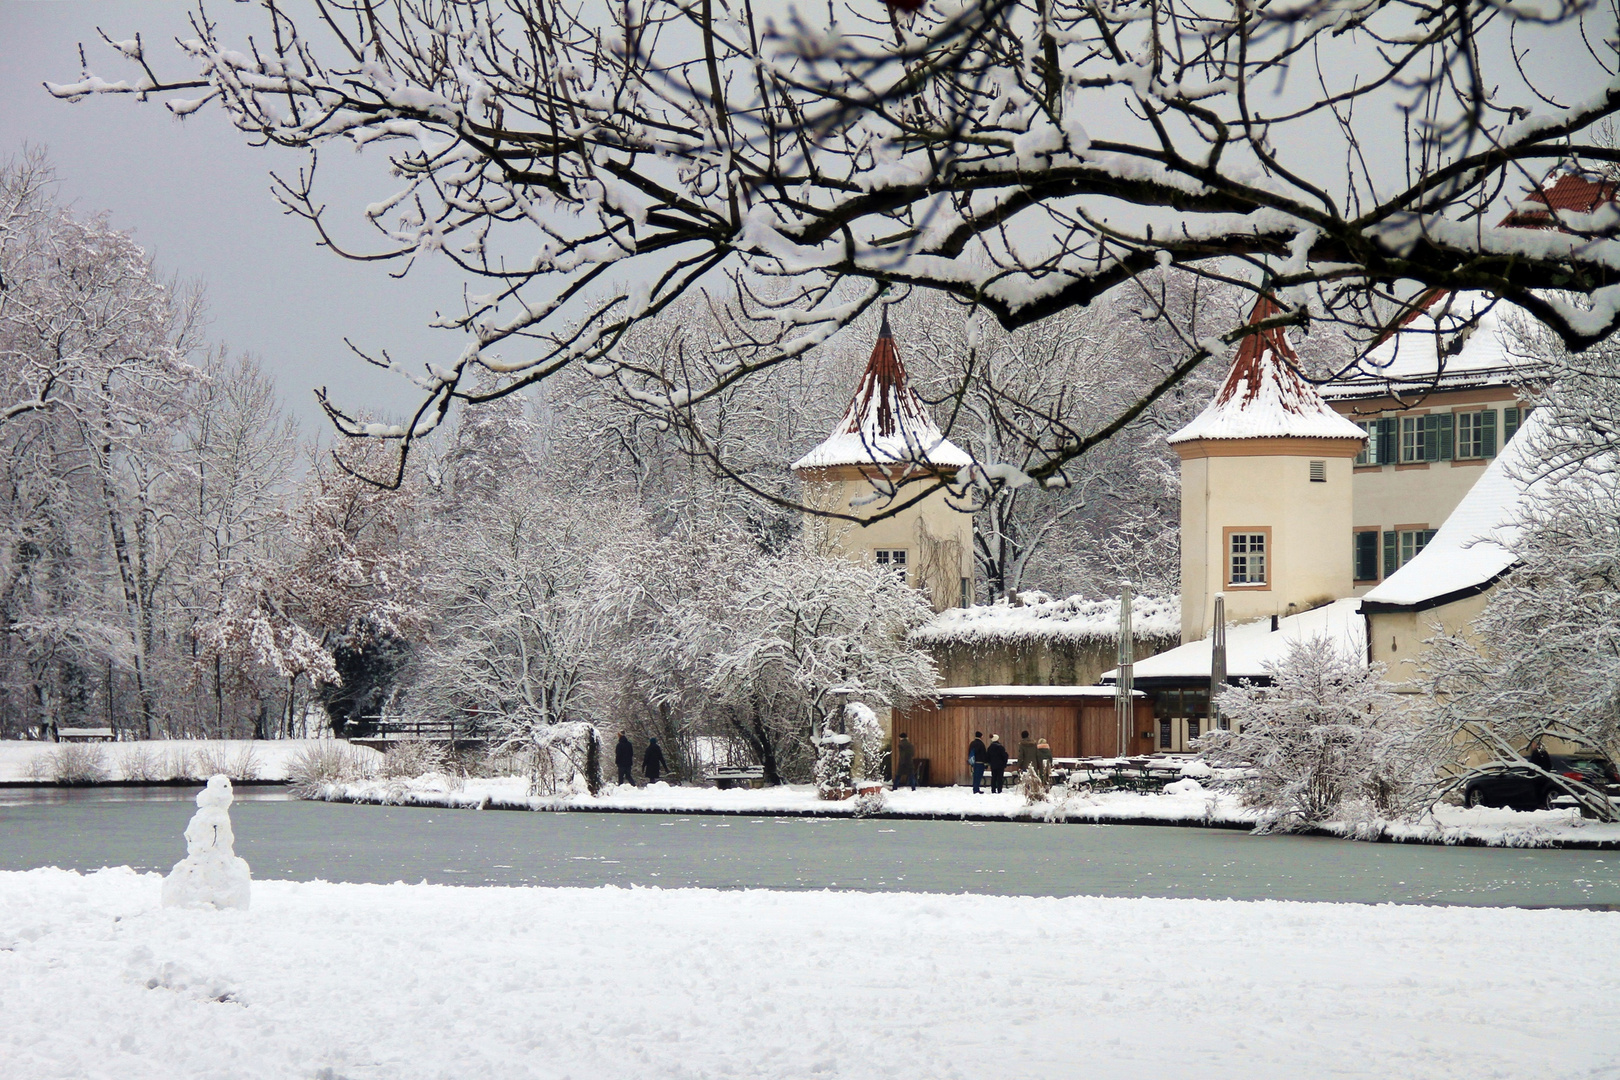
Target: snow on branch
point(593, 164)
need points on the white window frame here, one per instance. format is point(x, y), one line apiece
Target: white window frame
point(895, 560)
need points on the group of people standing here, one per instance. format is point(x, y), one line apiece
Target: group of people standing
point(652, 762)
point(1031, 755)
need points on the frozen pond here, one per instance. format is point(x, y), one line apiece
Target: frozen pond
point(283, 838)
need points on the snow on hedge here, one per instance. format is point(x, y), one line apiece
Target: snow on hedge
point(1041, 619)
point(161, 760)
point(412, 982)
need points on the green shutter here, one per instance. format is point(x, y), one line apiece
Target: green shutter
point(1388, 440)
point(1488, 435)
point(1510, 424)
point(1390, 555)
point(1447, 423)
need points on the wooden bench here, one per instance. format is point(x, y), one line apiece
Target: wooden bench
point(729, 776)
point(86, 734)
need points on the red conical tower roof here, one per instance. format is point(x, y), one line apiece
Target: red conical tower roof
point(886, 422)
point(1264, 396)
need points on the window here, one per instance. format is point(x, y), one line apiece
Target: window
point(1366, 555)
point(1401, 545)
point(1382, 436)
point(1164, 735)
point(1318, 472)
point(1476, 434)
point(894, 559)
point(967, 593)
point(1246, 557)
point(1426, 438)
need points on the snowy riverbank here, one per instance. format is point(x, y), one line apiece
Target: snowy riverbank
point(1186, 803)
point(163, 760)
point(419, 981)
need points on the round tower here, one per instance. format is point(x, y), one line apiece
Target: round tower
point(885, 438)
point(1265, 491)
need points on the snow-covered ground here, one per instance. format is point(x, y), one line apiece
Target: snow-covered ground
point(1184, 802)
point(178, 759)
point(399, 981)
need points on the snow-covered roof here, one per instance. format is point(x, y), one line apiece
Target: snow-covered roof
point(1471, 549)
point(1469, 327)
point(1251, 645)
point(1026, 691)
point(1040, 619)
point(1563, 189)
point(1264, 396)
point(886, 422)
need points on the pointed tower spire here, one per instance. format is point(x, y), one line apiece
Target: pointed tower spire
point(1264, 396)
point(886, 422)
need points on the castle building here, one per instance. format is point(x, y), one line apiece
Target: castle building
point(885, 452)
point(1265, 491)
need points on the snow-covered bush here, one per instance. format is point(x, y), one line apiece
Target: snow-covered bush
point(218, 759)
point(76, 763)
point(322, 763)
point(1324, 733)
point(139, 762)
point(414, 757)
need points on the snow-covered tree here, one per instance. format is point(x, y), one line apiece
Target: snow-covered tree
point(1543, 658)
point(520, 629)
point(1323, 734)
point(803, 634)
point(1022, 156)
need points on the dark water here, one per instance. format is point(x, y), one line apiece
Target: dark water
point(282, 838)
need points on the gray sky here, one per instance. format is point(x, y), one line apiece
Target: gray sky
point(198, 198)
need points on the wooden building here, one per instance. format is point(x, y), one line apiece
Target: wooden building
point(1076, 721)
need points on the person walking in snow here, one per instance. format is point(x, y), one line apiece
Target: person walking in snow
point(905, 763)
point(1043, 761)
point(976, 760)
point(652, 762)
point(624, 755)
point(996, 756)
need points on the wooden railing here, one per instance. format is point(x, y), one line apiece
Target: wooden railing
point(395, 728)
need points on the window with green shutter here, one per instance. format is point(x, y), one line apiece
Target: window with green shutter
point(1510, 424)
point(1366, 555)
point(1388, 439)
point(1476, 434)
point(1390, 561)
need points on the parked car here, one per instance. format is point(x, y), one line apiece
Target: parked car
point(1522, 788)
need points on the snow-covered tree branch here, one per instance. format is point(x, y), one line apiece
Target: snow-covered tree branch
point(591, 165)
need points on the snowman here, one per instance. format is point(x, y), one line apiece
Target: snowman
point(210, 876)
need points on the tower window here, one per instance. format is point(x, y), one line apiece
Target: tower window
point(1318, 472)
point(892, 559)
point(1247, 551)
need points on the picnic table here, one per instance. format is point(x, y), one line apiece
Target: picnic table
point(1140, 774)
point(86, 734)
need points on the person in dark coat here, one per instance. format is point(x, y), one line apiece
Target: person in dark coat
point(977, 760)
point(1539, 756)
point(996, 756)
point(652, 762)
point(905, 762)
point(624, 755)
point(1026, 753)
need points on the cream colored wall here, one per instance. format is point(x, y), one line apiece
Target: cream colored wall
point(1310, 557)
point(931, 519)
point(1395, 639)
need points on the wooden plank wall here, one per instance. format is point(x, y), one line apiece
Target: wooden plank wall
point(1074, 729)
